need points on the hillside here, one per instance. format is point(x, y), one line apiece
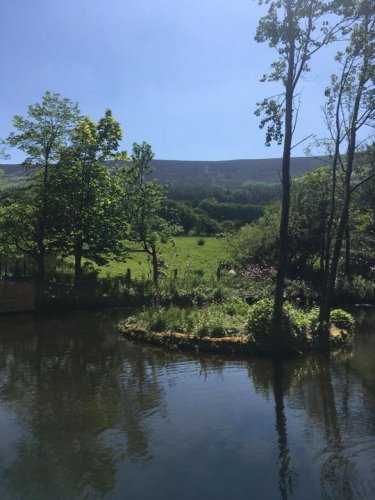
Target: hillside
point(229, 173)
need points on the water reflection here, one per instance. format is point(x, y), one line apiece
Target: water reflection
point(81, 407)
point(331, 395)
point(83, 415)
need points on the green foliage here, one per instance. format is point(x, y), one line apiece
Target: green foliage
point(230, 211)
point(296, 324)
point(357, 290)
point(208, 321)
point(342, 319)
point(19, 224)
point(142, 200)
point(299, 326)
point(296, 30)
point(236, 307)
point(3, 154)
point(42, 135)
point(257, 242)
point(45, 131)
point(250, 192)
point(201, 242)
point(300, 293)
point(87, 217)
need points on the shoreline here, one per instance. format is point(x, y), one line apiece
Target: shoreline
point(236, 345)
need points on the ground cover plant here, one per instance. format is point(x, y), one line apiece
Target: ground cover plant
point(236, 318)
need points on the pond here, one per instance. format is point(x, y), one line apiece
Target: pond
point(86, 415)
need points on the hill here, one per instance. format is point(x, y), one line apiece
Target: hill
point(228, 173)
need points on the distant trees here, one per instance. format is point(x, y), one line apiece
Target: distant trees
point(244, 213)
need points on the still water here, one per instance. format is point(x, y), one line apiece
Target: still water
point(86, 415)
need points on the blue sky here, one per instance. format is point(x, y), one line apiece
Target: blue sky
point(181, 74)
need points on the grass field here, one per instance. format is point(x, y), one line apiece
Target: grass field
point(183, 254)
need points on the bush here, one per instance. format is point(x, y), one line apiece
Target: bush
point(201, 242)
point(342, 319)
point(300, 293)
point(358, 289)
point(296, 324)
point(299, 326)
point(236, 306)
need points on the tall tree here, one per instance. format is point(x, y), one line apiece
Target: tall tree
point(86, 197)
point(142, 200)
point(296, 29)
point(350, 108)
point(42, 135)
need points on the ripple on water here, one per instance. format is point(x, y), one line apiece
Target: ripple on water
point(349, 473)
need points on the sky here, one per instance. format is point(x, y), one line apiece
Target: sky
point(182, 75)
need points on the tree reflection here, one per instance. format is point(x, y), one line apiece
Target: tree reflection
point(308, 384)
point(82, 406)
point(287, 477)
point(84, 402)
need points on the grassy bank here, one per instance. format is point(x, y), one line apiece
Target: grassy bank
point(235, 327)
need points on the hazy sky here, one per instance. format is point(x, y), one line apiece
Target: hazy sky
point(180, 74)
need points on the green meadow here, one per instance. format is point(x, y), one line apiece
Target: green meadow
point(182, 253)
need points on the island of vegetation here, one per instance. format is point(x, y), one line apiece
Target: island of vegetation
point(248, 266)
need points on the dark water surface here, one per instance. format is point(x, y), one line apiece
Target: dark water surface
point(85, 415)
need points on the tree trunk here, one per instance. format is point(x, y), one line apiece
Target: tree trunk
point(330, 290)
point(285, 207)
point(78, 274)
point(285, 472)
point(331, 271)
point(347, 252)
point(155, 266)
point(40, 277)
point(41, 269)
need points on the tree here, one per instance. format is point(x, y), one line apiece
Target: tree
point(363, 203)
point(3, 153)
point(296, 29)
point(86, 197)
point(350, 107)
point(42, 135)
point(257, 243)
point(19, 224)
point(142, 200)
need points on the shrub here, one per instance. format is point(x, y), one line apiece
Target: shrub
point(296, 324)
point(342, 319)
point(201, 242)
point(300, 293)
point(358, 289)
point(236, 306)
